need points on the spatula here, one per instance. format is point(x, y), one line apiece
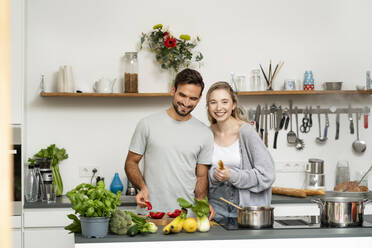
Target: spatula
point(291, 136)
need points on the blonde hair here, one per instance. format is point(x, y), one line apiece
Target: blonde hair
point(236, 113)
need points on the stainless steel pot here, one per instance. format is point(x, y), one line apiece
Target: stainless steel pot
point(315, 166)
point(256, 217)
point(341, 211)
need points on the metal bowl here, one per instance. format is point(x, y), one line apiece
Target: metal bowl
point(333, 85)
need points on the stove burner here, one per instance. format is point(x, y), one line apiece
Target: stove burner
point(290, 222)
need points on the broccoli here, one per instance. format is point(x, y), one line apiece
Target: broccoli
point(120, 222)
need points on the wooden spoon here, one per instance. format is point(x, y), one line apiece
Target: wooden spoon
point(230, 203)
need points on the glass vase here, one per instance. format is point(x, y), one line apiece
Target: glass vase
point(116, 184)
point(172, 78)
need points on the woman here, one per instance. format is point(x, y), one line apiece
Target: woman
point(248, 171)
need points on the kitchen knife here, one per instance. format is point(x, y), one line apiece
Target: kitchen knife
point(262, 124)
point(279, 125)
point(337, 126)
point(266, 132)
point(351, 120)
point(310, 117)
point(257, 117)
point(286, 121)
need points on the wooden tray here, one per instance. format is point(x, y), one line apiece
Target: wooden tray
point(159, 222)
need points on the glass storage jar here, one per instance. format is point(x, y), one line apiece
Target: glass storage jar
point(131, 72)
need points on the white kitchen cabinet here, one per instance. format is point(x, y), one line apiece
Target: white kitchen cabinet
point(16, 57)
point(16, 238)
point(44, 228)
point(55, 237)
point(16, 224)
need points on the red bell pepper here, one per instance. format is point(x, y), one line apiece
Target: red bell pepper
point(148, 204)
point(174, 214)
point(157, 215)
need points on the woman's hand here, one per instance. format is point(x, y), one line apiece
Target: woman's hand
point(222, 175)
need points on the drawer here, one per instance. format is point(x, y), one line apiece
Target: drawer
point(47, 217)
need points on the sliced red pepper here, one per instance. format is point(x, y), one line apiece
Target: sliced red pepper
point(148, 204)
point(174, 214)
point(157, 215)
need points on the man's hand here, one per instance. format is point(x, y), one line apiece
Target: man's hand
point(135, 177)
point(212, 213)
point(142, 197)
point(222, 175)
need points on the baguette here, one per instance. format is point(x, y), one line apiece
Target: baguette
point(289, 191)
point(315, 192)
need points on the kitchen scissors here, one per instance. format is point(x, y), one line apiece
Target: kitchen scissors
point(305, 127)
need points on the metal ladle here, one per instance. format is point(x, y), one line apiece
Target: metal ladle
point(359, 146)
point(320, 139)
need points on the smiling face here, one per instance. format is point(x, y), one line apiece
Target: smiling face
point(220, 105)
point(185, 98)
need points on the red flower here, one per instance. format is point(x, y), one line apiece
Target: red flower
point(170, 42)
point(165, 34)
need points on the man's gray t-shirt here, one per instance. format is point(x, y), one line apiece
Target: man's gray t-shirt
point(171, 150)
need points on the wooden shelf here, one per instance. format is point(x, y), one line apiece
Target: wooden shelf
point(304, 92)
point(243, 93)
point(63, 94)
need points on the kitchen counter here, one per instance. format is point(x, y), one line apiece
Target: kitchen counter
point(217, 233)
point(64, 202)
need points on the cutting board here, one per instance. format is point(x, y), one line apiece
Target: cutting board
point(160, 222)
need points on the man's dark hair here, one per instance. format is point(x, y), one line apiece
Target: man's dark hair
point(189, 76)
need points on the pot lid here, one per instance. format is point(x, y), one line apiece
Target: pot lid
point(257, 208)
point(341, 198)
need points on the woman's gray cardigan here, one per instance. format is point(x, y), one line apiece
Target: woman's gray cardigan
point(257, 172)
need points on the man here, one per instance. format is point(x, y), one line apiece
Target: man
point(176, 147)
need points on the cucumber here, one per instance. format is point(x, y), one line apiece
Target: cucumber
point(133, 230)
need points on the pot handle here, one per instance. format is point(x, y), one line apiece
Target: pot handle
point(317, 201)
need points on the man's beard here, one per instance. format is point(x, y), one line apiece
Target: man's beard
point(175, 106)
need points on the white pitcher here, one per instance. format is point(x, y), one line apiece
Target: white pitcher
point(104, 85)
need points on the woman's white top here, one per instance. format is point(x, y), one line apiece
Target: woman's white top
point(230, 156)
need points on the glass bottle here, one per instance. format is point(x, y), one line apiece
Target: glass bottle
point(116, 184)
point(38, 179)
point(131, 72)
point(31, 185)
point(256, 84)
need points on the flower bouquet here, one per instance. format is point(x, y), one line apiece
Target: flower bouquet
point(171, 53)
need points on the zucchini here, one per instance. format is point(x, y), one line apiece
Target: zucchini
point(133, 230)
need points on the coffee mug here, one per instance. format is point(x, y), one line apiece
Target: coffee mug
point(289, 84)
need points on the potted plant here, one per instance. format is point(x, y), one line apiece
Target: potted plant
point(56, 155)
point(94, 204)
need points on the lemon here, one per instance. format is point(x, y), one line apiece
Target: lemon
point(190, 225)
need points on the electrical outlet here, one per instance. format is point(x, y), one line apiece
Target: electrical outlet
point(87, 171)
point(290, 166)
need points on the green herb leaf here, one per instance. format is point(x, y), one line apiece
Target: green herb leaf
point(184, 203)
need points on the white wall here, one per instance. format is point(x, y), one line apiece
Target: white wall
point(331, 38)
